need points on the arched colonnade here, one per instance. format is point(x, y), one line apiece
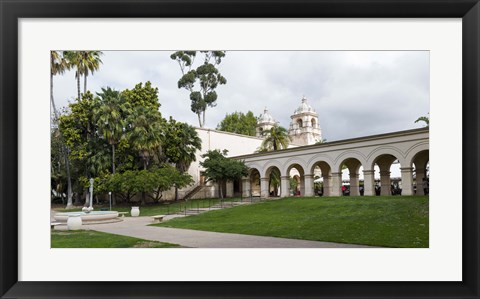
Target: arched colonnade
point(271, 173)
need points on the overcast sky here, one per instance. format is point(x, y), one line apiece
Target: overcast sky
point(355, 93)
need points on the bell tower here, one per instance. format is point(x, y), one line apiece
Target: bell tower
point(304, 127)
point(265, 122)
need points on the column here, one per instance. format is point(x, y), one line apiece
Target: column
point(420, 175)
point(368, 182)
point(308, 178)
point(246, 187)
point(354, 184)
point(385, 183)
point(264, 188)
point(407, 180)
point(285, 186)
point(336, 184)
point(229, 189)
point(327, 185)
point(302, 185)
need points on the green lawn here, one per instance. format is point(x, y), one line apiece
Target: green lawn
point(379, 221)
point(94, 239)
point(162, 209)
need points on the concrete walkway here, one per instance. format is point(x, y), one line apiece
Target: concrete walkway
point(138, 227)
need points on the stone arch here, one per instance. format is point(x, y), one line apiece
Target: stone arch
point(310, 165)
point(353, 187)
point(253, 183)
point(421, 163)
point(272, 182)
point(384, 150)
point(300, 123)
point(413, 151)
point(350, 154)
point(295, 160)
point(323, 187)
point(266, 167)
point(313, 122)
point(384, 159)
point(300, 172)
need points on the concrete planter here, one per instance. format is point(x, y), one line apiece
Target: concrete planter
point(74, 222)
point(135, 212)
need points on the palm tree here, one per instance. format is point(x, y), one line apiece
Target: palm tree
point(145, 132)
point(425, 119)
point(92, 63)
point(274, 181)
point(84, 62)
point(275, 138)
point(180, 143)
point(109, 118)
point(58, 65)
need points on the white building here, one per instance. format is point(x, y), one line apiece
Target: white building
point(237, 145)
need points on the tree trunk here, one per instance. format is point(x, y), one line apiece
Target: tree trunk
point(113, 158)
point(78, 85)
point(199, 120)
point(85, 83)
point(176, 193)
point(203, 121)
point(64, 147)
point(69, 179)
point(55, 114)
point(220, 185)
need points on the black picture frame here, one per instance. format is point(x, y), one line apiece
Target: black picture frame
point(11, 11)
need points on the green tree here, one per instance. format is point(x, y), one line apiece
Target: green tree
point(220, 169)
point(239, 123)
point(179, 145)
point(207, 75)
point(152, 181)
point(58, 65)
point(167, 177)
point(274, 181)
point(276, 138)
point(109, 116)
point(145, 132)
point(77, 128)
point(142, 95)
point(425, 119)
point(84, 62)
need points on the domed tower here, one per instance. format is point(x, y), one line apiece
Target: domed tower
point(265, 122)
point(304, 128)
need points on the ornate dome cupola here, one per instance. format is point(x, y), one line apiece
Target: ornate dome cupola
point(304, 128)
point(265, 122)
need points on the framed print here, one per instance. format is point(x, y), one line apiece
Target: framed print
point(445, 35)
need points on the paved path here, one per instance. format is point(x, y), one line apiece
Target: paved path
point(138, 227)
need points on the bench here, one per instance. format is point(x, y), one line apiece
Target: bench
point(158, 218)
point(122, 214)
point(53, 224)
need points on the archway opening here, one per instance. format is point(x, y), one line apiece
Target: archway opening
point(297, 180)
point(388, 179)
point(421, 173)
point(255, 182)
point(322, 179)
point(350, 177)
point(299, 123)
point(274, 182)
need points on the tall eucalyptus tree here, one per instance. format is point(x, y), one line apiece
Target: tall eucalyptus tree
point(58, 66)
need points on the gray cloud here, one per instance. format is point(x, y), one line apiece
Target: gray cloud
point(355, 93)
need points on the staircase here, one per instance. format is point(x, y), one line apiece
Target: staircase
point(193, 192)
